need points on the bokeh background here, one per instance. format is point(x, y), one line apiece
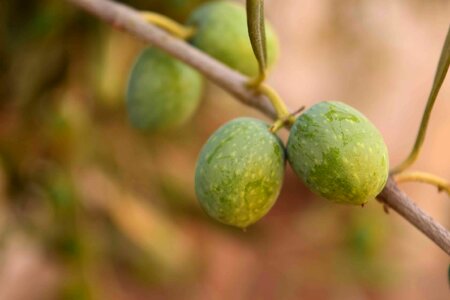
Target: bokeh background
point(93, 209)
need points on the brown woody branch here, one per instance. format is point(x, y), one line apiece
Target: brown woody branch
point(129, 20)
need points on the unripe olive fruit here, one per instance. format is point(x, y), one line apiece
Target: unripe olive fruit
point(221, 31)
point(179, 9)
point(338, 153)
point(163, 92)
point(240, 172)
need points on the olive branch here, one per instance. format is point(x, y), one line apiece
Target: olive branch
point(132, 21)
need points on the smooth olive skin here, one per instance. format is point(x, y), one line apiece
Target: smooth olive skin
point(338, 153)
point(163, 93)
point(221, 31)
point(240, 172)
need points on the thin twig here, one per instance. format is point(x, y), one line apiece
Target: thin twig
point(130, 20)
point(400, 202)
point(442, 184)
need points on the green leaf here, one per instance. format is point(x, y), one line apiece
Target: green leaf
point(257, 32)
point(441, 72)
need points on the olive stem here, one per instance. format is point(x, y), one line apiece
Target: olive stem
point(441, 72)
point(280, 123)
point(277, 103)
point(284, 118)
point(277, 125)
point(440, 183)
point(256, 82)
point(174, 28)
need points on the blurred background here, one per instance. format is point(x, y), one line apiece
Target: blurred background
point(92, 209)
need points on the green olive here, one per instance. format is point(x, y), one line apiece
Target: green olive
point(163, 93)
point(221, 31)
point(240, 172)
point(338, 153)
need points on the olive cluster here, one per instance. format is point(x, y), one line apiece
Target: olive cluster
point(163, 93)
point(333, 148)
